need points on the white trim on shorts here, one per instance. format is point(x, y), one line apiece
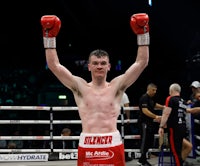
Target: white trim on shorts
point(109, 140)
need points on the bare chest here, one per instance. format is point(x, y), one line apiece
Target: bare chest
point(100, 98)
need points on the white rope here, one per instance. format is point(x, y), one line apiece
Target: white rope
point(67, 121)
point(76, 108)
point(24, 137)
point(63, 150)
point(24, 108)
point(150, 150)
point(66, 137)
point(25, 150)
point(55, 108)
point(48, 122)
point(64, 108)
point(54, 137)
point(132, 136)
point(131, 108)
point(61, 137)
point(24, 121)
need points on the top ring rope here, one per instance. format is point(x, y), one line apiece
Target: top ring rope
point(24, 108)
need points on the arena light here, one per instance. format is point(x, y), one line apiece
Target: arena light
point(62, 97)
point(150, 2)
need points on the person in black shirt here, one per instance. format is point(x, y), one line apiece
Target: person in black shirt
point(195, 86)
point(147, 119)
point(197, 97)
point(173, 117)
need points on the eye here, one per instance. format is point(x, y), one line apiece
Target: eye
point(94, 63)
point(103, 63)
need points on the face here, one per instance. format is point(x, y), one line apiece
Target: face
point(194, 89)
point(152, 91)
point(66, 133)
point(99, 66)
point(197, 96)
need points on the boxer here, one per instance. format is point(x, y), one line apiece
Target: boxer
point(98, 101)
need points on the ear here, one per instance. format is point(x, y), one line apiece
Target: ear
point(89, 67)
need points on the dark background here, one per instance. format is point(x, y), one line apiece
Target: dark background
point(92, 24)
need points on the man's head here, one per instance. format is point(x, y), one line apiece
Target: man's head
point(174, 89)
point(195, 85)
point(151, 89)
point(99, 63)
point(66, 132)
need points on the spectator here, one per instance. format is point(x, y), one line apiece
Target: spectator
point(66, 144)
point(195, 86)
point(15, 144)
point(197, 99)
point(3, 143)
point(46, 143)
point(29, 144)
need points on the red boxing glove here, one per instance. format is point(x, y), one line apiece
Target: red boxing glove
point(51, 25)
point(139, 24)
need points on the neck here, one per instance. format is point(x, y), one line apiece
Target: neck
point(101, 84)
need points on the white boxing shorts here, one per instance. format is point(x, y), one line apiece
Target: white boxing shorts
point(101, 150)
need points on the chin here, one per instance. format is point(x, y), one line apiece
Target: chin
point(100, 76)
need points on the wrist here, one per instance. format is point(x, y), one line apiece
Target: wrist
point(49, 42)
point(143, 39)
point(161, 127)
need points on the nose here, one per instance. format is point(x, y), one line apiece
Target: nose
point(99, 65)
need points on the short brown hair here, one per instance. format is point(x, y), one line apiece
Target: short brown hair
point(66, 130)
point(99, 53)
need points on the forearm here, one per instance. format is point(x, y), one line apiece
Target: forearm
point(163, 120)
point(165, 116)
point(127, 114)
point(193, 110)
point(159, 106)
point(143, 55)
point(149, 113)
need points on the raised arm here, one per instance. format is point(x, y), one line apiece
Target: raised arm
point(140, 26)
point(51, 26)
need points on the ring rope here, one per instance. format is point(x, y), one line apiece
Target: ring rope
point(51, 122)
point(63, 150)
point(48, 122)
point(25, 108)
point(64, 108)
point(62, 137)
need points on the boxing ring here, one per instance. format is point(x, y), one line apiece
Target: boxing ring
point(52, 154)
